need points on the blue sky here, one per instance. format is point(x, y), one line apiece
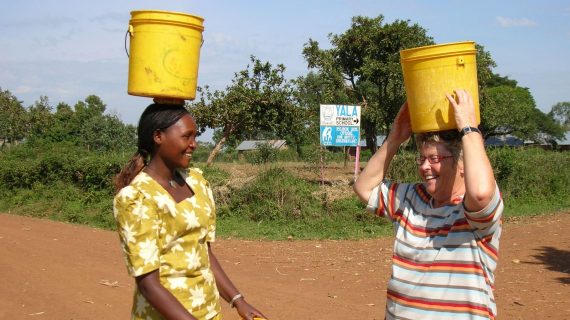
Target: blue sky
point(67, 50)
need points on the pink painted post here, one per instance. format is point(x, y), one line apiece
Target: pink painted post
point(357, 162)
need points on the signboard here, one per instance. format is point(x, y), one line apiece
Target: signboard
point(340, 125)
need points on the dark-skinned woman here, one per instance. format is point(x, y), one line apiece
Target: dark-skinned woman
point(166, 220)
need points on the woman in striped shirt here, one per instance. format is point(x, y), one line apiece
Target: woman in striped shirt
point(447, 227)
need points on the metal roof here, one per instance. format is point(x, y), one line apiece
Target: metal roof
point(252, 144)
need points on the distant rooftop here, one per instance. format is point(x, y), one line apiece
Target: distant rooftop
point(252, 144)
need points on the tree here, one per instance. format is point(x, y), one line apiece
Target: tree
point(496, 80)
point(548, 131)
point(91, 107)
point(40, 118)
point(259, 100)
point(107, 132)
point(560, 113)
point(364, 62)
point(12, 118)
point(64, 127)
point(313, 90)
point(508, 110)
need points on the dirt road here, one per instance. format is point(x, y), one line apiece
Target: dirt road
point(52, 270)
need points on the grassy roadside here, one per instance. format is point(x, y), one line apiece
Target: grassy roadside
point(274, 201)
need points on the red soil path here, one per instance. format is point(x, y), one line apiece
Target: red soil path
point(52, 270)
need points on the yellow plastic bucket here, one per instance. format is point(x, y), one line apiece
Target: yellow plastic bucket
point(432, 71)
point(164, 54)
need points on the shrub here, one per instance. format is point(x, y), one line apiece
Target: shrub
point(275, 195)
point(531, 174)
point(264, 153)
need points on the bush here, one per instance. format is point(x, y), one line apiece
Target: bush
point(531, 174)
point(201, 154)
point(264, 153)
point(88, 171)
point(287, 155)
point(275, 195)
point(67, 183)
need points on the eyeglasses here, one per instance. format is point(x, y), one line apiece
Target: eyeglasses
point(431, 159)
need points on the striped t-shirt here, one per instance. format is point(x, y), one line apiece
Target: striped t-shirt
point(444, 258)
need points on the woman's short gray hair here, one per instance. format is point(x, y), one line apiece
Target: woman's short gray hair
point(451, 139)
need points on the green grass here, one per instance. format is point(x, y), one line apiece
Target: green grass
point(325, 228)
point(517, 208)
point(275, 205)
point(60, 202)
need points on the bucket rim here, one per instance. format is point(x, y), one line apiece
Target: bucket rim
point(436, 50)
point(134, 12)
point(438, 55)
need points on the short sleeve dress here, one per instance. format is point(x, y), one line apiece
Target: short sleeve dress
point(156, 232)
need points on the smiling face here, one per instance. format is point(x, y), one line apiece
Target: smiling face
point(443, 180)
point(176, 143)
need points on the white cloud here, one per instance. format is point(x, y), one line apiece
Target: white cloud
point(111, 18)
point(41, 22)
point(513, 22)
point(221, 40)
point(22, 89)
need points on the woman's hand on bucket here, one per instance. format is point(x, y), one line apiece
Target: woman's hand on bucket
point(401, 128)
point(464, 109)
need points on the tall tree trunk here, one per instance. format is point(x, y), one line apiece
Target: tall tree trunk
point(370, 131)
point(217, 148)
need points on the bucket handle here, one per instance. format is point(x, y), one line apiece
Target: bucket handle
point(130, 32)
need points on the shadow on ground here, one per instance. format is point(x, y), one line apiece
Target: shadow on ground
point(555, 260)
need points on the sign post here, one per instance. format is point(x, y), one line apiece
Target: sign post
point(340, 126)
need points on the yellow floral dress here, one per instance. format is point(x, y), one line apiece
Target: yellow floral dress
point(158, 233)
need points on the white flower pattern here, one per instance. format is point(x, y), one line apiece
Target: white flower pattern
point(174, 244)
point(208, 276)
point(164, 202)
point(177, 282)
point(159, 234)
point(191, 219)
point(128, 232)
point(148, 251)
point(198, 296)
point(193, 259)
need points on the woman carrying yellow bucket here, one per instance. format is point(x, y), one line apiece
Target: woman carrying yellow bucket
point(447, 227)
point(166, 219)
point(165, 211)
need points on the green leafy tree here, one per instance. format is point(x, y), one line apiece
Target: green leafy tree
point(259, 100)
point(12, 118)
point(485, 76)
point(91, 107)
point(107, 132)
point(508, 110)
point(496, 80)
point(364, 62)
point(548, 131)
point(40, 118)
point(63, 127)
point(560, 112)
point(97, 131)
point(313, 90)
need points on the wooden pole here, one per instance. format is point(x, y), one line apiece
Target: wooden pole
point(357, 162)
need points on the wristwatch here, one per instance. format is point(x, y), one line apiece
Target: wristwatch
point(468, 130)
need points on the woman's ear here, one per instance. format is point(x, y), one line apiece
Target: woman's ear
point(158, 137)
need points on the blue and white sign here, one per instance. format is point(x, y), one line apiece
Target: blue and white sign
point(340, 136)
point(340, 125)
